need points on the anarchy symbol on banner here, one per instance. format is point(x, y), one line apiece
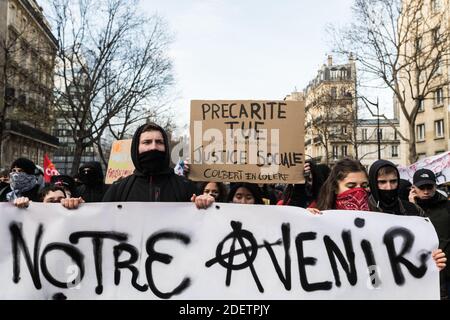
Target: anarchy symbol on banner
point(238, 234)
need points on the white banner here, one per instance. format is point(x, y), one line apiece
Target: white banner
point(239, 252)
point(439, 164)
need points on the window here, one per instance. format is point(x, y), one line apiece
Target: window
point(439, 128)
point(395, 135)
point(418, 44)
point(333, 92)
point(436, 34)
point(439, 67)
point(394, 151)
point(420, 132)
point(435, 5)
point(421, 106)
point(439, 96)
point(344, 151)
point(364, 134)
point(380, 133)
point(344, 129)
point(334, 74)
point(335, 152)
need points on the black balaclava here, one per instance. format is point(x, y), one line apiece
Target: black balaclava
point(152, 162)
point(387, 200)
point(92, 177)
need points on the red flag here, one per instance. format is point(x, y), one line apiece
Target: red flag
point(49, 169)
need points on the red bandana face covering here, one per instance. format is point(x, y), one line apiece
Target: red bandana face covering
point(353, 199)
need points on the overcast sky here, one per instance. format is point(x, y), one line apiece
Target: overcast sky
point(246, 49)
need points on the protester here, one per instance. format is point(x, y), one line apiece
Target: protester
point(344, 189)
point(4, 185)
point(304, 195)
point(23, 182)
point(384, 188)
point(66, 182)
point(153, 178)
point(240, 193)
point(245, 193)
point(39, 173)
point(269, 193)
point(437, 208)
point(51, 194)
point(93, 187)
point(214, 189)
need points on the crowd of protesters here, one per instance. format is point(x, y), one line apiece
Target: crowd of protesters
point(345, 186)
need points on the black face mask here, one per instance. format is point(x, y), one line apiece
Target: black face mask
point(88, 177)
point(152, 162)
point(388, 196)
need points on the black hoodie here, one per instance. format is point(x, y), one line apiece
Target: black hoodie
point(163, 186)
point(438, 210)
point(398, 206)
point(93, 188)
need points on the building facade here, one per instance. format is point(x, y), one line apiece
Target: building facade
point(333, 129)
point(388, 142)
point(27, 59)
point(426, 83)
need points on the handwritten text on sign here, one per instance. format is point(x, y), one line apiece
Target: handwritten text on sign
point(120, 163)
point(248, 141)
point(174, 251)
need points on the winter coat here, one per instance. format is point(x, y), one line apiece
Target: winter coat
point(164, 186)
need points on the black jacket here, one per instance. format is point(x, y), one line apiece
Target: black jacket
point(4, 190)
point(405, 208)
point(165, 186)
point(398, 206)
point(438, 210)
point(94, 190)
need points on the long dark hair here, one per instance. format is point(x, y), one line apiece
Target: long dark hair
point(319, 173)
point(253, 188)
point(222, 197)
point(327, 195)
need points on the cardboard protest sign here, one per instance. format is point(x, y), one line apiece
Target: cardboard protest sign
point(120, 163)
point(439, 164)
point(247, 141)
point(228, 252)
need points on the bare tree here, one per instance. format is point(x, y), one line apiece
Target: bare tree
point(400, 43)
point(332, 119)
point(111, 61)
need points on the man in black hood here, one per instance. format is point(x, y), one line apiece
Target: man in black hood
point(93, 187)
point(153, 178)
point(384, 188)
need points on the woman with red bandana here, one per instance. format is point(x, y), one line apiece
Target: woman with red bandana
point(346, 188)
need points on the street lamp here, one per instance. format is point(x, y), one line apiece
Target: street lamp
point(378, 122)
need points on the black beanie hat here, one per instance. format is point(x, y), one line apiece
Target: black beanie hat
point(25, 164)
